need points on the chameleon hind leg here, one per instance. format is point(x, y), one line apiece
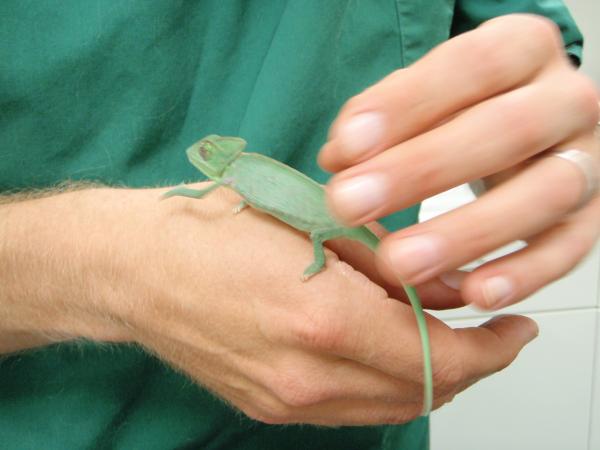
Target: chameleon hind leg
point(240, 207)
point(317, 238)
point(183, 191)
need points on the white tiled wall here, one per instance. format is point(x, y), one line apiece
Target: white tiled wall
point(595, 409)
point(541, 402)
point(549, 398)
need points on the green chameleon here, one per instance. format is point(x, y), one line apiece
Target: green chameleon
point(290, 196)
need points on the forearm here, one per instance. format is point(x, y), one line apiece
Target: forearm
point(49, 280)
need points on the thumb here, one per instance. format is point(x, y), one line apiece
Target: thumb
point(492, 346)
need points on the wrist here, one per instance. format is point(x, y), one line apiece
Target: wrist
point(52, 270)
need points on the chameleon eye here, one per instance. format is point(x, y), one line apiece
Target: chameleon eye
point(204, 152)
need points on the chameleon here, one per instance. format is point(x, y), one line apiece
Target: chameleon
point(290, 196)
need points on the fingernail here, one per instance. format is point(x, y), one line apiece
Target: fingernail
point(453, 279)
point(414, 256)
point(531, 332)
point(496, 291)
point(528, 330)
point(356, 197)
point(360, 134)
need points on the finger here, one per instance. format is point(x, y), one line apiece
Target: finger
point(346, 315)
point(301, 378)
point(492, 136)
point(480, 352)
point(343, 412)
point(293, 385)
point(548, 256)
point(339, 412)
point(382, 334)
point(492, 346)
point(443, 292)
point(411, 101)
point(551, 186)
point(439, 293)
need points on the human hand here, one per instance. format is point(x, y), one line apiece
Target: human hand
point(485, 104)
point(219, 296)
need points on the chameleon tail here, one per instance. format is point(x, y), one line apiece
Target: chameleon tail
point(367, 237)
point(371, 240)
point(425, 345)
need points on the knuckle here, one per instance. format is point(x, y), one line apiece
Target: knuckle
point(406, 414)
point(318, 330)
point(488, 76)
point(541, 34)
point(268, 410)
point(524, 126)
point(576, 247)
point(579, 246)
point(294, 390)
point(541, 31)
point(585, 98)
point(507, 360)
point(537, 37)
point(257, 415)
point(566, 198)
point(355, 104)
point(448, 375)
point(270, 418)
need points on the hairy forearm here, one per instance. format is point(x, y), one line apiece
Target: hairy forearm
point(49, 284)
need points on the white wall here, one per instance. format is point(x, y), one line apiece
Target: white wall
point(549, 399)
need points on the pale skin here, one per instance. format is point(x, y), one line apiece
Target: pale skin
point(482, 105)
point(213, 294)
point(115, 265)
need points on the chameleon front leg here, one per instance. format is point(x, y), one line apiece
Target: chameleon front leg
point(318, 237)
point(183, 191)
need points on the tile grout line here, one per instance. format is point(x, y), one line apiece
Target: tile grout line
point(594, 384)
point(595, 387)
point(491, 314)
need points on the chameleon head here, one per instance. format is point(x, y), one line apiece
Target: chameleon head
point(213, 154)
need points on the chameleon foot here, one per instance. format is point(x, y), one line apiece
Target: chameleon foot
point(318, 264)
point(311, 270)
point(240, 206)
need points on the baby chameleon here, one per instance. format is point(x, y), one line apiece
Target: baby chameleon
point(290, 196)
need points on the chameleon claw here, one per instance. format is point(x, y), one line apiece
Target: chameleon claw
point(240, 206)
point(310, 272)
point(304, 277)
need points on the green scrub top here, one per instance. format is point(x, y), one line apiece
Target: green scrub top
point(114, 91)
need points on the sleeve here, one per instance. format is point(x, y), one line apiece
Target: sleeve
point(469, 14)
